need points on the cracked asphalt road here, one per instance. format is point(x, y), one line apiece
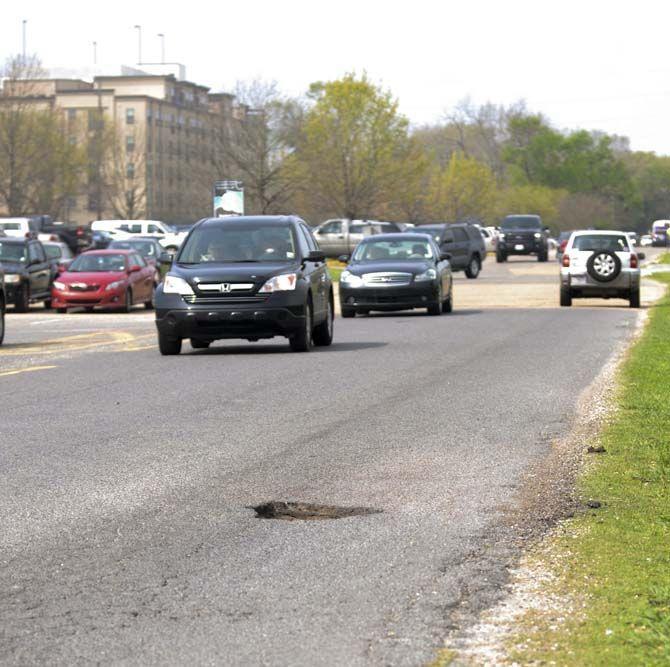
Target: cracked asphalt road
point(126, 478)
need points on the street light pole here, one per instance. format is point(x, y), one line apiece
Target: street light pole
point(139, 44)
point(162, 36)
point(24, 40)
point(95, 53)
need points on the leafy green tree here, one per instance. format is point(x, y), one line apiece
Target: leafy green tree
point(535, 199)
point(349, 158)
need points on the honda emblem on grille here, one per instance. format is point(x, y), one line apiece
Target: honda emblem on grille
point(225, 287)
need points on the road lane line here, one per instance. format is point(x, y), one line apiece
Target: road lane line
point(26, 370)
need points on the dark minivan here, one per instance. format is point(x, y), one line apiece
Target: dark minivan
point(248, 277)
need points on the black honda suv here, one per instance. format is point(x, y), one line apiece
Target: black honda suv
point(522, 235)
point(246, 277)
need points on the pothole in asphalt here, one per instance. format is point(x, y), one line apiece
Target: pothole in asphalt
point(308, 511)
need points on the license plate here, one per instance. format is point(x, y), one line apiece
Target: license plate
point(519, 246)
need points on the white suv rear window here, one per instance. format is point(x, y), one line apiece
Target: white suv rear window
point(594, 242)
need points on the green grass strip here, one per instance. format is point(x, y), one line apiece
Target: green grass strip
point(619, 555)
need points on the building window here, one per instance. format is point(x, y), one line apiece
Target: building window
point(71, 114)
point(130, 143)
point(130, 170)
point(130, 116)
point(94, 119)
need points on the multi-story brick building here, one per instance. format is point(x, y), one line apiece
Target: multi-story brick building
point(166, 134)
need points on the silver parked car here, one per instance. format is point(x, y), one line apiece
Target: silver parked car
point(600, 264)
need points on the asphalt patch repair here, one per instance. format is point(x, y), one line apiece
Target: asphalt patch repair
point(289, 511)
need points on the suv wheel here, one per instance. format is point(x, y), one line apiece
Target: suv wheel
point(348, 312)
point(2, 322)
point(168, 345)
point(303, 340)
point(634, 299)
point(199, 344)
point(500, 257)
point(22, 303)
point(603, 266)
point(473, 268)
point(323, 333)
point(566, 296)
point(543, 255)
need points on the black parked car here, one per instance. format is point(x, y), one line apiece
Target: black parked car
point(28, 272)
point(462, 241)
point(246, 277)
point(522, 235)
point(396, 272)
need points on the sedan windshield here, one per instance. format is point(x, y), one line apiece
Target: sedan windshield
point(239, 242)
point(521, 223)
point(595, 242)
point(370, 251)
point(95, 263)
point(12, 252)
point(145, 248)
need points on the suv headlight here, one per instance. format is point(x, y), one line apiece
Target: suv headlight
point(430, 274)
point(538, 235)
point(284, 283)
point(176, 285)
point(350, 280)
point(12, 278)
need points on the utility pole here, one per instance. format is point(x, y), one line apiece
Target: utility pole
point(95, 53)
point(24, 40)
point(139, 44)
point(162, 36)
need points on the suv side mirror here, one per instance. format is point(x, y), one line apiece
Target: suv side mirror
point(315, 256)
point(445, 256)
point(165, 258)
point(344, 259)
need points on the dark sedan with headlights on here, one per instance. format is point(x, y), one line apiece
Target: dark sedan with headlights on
point(396, 272)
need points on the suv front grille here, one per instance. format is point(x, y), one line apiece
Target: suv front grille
point(221, 298)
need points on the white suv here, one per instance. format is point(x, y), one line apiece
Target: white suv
point(600, 264)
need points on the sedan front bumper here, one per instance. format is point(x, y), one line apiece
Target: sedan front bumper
point(417, 295)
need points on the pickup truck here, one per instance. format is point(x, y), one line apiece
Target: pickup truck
point(122, 230)
point(340, 236)
point(42, 227)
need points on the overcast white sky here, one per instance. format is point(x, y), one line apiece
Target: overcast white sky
point(588, 64)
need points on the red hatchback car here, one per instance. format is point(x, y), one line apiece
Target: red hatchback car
point(116, 279)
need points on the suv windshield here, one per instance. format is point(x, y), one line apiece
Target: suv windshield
point(371, 251)
point(239, 242)
point(145, 248)
point(12, 252)
point(595, 242)
point(521, 223)
point(95, 263)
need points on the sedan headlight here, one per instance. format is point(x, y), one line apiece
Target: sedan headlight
point(12, 278)
point(430, 274)
point(284, 283)
point(58, 285)
point(350, 280)
point(176, 285)
point(115, 285)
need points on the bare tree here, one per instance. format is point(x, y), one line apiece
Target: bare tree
point(254, 144)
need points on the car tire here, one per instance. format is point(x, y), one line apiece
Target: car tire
point(323, 333)
point(47, 304)
point(2, 322)
point(448, 303)
point(603, 266)
point(61, 311)
point(500, 257)
point(304, 339)
point(128, 302)
point(22, 303)
point(200, 344)
point(149, 305)
point(543, 256)
point(634, 299)
point(436, 308)
point(473, 268)
point(348, 312)
point(89, 309)
point(168, 345)
point(566, 297)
